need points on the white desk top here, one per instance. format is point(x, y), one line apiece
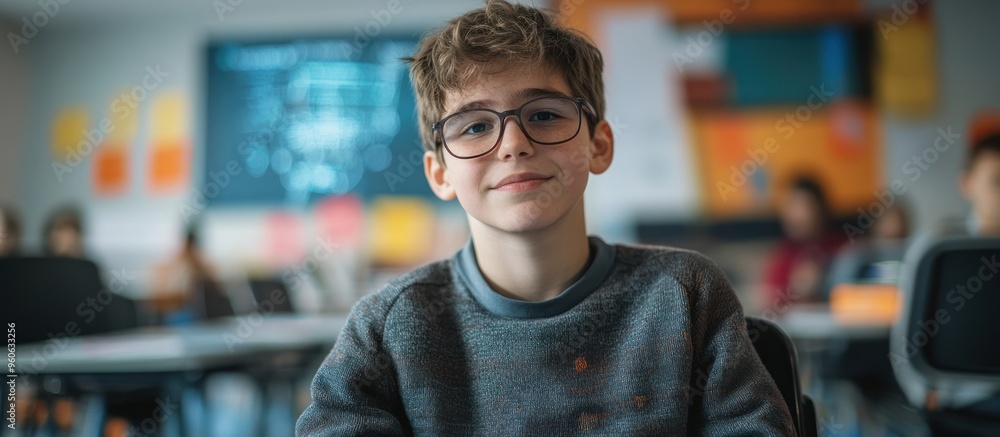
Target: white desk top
point(229, 341)
point(816, 322)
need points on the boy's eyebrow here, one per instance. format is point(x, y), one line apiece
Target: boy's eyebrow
point(527, 94)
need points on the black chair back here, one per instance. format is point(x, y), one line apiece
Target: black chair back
point(272, 292)
point(950, 320)
point(211, 301)
point(777, 352)
point(51, 297)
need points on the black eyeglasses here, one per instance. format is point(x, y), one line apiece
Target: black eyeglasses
point(546, 120)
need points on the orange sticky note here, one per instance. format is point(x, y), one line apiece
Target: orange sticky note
point(110, 173)
point(168, 165)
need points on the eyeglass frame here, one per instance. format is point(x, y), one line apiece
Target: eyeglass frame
point(581, 103)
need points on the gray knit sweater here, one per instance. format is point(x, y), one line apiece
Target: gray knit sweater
point(649, 341)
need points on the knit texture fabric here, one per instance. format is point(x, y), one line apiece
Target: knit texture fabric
point(649, 341)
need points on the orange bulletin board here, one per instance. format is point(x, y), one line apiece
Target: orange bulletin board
point(839, 144)
point(747, 158)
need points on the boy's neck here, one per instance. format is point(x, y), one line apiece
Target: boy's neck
point(533, 266)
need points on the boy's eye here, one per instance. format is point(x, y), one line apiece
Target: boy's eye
point(476, 128)
point(544, 116)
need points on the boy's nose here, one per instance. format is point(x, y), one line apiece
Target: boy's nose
point(514, 142)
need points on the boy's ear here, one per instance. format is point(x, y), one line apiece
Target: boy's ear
point(602, 148)
point(437, 177)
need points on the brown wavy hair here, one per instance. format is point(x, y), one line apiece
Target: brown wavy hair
point(500, 35)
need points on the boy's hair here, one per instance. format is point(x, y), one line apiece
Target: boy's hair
point(501, 35)
point(990, 144)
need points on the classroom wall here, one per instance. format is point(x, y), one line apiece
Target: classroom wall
point(13, 78)
point(103, 56)
point(90, 62)
point(968, 71)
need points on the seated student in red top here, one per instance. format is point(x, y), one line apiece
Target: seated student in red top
point(795, 268)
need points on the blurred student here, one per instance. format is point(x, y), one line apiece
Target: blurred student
point(64, 234)
point(796, 268)
point(177, 280)
point(875, 257)
point(893, 226)
point(980, 185)
point(10, 232)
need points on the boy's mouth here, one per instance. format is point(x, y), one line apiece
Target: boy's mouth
point(521, 182)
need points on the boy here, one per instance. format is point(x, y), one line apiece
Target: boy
point(534, 328)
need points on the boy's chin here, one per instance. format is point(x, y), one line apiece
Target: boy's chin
point(524, 220)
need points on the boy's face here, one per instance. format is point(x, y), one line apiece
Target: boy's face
point(981, 186)
point(520, 186)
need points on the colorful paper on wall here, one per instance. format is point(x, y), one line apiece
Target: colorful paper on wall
point(110, 173)
point(124, 119)
point(402, 230)
point(283, 236)
point(168, 166)
point(341, 220)
point(169, 151)
point(906, 77)
point(69, 129)
point(169, 119)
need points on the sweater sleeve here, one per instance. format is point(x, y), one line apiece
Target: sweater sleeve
point(732, 392)
point(355, 391)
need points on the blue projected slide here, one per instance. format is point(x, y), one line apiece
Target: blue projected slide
point(309, 119)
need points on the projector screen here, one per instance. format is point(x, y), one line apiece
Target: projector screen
point(292, 122)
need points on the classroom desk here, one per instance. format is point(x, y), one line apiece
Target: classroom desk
point(206, 346)
point(168, 356)
point(817, 322)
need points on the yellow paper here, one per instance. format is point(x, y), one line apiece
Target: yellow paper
point(125, 120)
point(68, 130)
point(906, 81)
point(168, 118)
point(402, 230)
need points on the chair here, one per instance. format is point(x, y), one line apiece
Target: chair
point(947, 332)
point(273, 292)
point(211, 301)
point(778, 354)
point(57, 297)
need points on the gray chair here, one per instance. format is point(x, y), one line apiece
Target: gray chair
point(947, 333)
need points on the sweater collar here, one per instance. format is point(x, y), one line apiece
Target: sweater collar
point(601, 262)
